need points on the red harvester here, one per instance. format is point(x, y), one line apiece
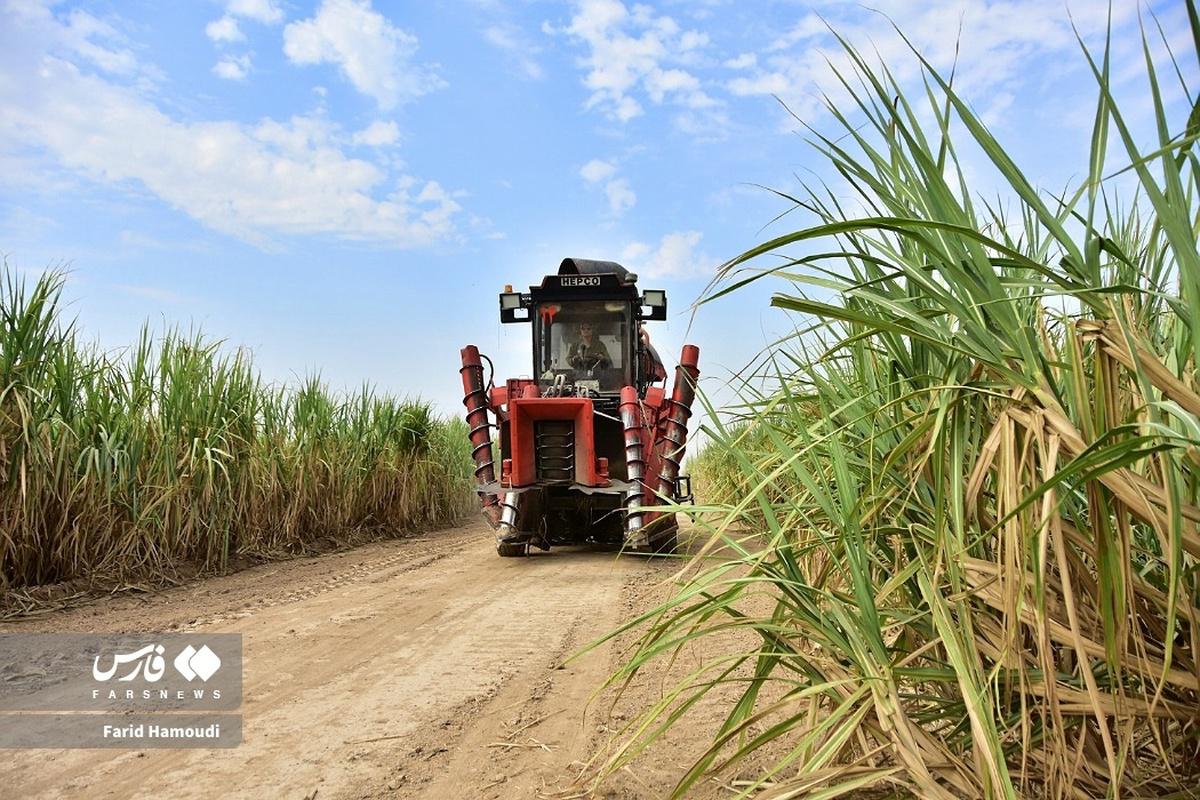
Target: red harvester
point(591, 445)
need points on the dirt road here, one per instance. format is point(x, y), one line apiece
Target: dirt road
point(424, 667)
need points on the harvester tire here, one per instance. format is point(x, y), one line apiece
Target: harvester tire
point(663, 535)
point(664, 544)
point(512, 549)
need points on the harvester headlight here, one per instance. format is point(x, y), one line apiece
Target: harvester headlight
point(510, 301)
point(655, 298)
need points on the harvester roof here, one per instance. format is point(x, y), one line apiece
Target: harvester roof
point(586, 266)
point(584, 279)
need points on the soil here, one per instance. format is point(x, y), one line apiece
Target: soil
point(422, 667)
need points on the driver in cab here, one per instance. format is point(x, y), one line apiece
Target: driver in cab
point(589, 352)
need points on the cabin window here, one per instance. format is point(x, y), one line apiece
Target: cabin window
point(583, 342)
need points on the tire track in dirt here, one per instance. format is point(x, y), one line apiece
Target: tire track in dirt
point(414, 668)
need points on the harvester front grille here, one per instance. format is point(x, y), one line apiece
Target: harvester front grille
point(554, 441)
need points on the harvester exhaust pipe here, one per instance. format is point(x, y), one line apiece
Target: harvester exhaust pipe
point(476, 401)
point(634, 463)
point(674, 441)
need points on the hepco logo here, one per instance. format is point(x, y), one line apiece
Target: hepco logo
point(579, 280)
point(148, 662)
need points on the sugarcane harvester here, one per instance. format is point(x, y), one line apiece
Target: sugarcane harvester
point(590, 445)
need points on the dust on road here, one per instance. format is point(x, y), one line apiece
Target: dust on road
point(424, 667)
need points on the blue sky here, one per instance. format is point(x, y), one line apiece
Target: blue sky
point(345, 185)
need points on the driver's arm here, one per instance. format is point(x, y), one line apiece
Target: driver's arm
point(603, 360)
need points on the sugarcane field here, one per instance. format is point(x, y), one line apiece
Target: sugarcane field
point(781, 400)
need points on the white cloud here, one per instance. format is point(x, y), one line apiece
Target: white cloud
point(706, 125)
point(661, 82)
point(596, 170)
point(1000, 40)
point(265, 11)
point(232, 68)
point(224, 29)
point(86, 36)
point(371, 52)
point(808, 27)
point(512, 40)
point(142, 241)
point(632, 52)
point(378, 134)
point(776, 83)
point(743, 61)
point(274, 178)
point(691, 40)
point(633, 253)
point(675, 256)
point(620, 197)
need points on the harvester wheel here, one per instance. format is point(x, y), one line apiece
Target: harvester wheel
point(512, 549)
point(663, 535)
point(664, 544)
